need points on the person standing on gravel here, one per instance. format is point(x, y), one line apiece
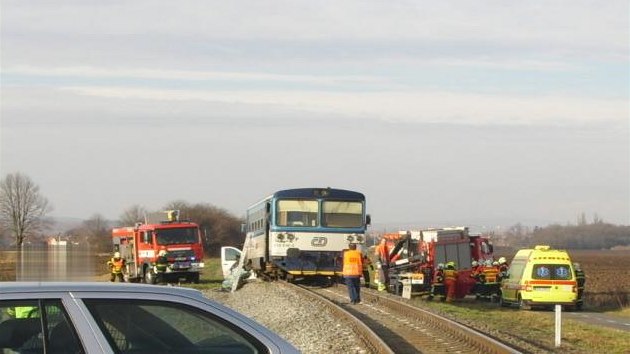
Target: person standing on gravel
point(352, 270)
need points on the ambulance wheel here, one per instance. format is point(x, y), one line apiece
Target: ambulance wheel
point(502, 302)
point(521, 304)
point(149, 276)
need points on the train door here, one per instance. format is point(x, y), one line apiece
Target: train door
point(229, 258)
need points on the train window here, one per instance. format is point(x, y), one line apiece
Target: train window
point(299, 213)
point(342, 214)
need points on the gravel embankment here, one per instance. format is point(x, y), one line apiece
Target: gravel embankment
point(298, 320)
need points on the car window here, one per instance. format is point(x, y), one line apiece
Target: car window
point(32, 326)
point(147, 326)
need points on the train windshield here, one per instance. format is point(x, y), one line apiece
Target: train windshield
point(342, 214)
point(173, 236)
point(297, 213)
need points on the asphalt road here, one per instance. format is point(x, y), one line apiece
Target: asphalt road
point(599, 319)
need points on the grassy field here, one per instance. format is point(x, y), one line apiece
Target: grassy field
point(535, 326)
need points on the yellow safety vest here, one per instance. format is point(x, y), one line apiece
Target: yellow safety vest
point(117, 265)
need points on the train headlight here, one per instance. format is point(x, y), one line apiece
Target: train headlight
point(359, 238)
point(290, 237)
point(350, 238)
point(280, 237)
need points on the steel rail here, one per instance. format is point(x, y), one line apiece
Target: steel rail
point(370, 339)
point(475, 339)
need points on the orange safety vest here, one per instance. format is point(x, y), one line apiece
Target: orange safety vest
point(352, 263)
point(450, 274)
point(117, 265)
point(382, 252)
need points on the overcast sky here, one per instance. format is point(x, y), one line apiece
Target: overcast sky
point(482, 113)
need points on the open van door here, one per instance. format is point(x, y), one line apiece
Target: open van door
point(229, 257)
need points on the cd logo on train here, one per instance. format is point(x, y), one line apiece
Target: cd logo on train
point(319, 241)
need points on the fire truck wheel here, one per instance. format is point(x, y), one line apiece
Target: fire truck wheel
point(149, 276)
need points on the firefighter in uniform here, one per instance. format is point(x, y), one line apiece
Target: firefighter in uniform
point(475, 270)
point(503, 269)
point(437, 286)
point(581, 280)
point(352, 269)
point(116, 265)
point(450, 281)
point(161, 263)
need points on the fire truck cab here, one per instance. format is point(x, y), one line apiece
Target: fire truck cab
point(140, 245)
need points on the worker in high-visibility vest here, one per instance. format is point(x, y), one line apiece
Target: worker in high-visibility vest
point(352, 270)
point(116, 266)
point(450, 281)
point(382, 264)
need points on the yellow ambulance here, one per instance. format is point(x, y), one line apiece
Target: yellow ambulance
point(540, 277)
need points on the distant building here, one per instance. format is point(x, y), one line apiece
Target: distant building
point(55, 241)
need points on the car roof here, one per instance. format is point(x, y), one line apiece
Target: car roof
point(43, 287)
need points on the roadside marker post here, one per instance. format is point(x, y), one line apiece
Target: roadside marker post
point(558, 325)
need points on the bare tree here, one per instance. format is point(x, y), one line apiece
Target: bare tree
point(132, 215)
point(98, 233)
point(22, 207)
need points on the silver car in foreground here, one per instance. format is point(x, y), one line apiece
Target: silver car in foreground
point(124, 318)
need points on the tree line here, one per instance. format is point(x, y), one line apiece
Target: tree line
point(23, 213)
point(583, 235)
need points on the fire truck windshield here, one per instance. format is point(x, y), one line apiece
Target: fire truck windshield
point(173, 236)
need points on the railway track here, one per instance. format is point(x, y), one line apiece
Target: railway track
point(388, 325)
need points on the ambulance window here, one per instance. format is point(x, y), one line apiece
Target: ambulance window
point(562, 272)
point(552, 272)
point(516, 270)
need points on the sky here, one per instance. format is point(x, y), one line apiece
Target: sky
point(484, 113)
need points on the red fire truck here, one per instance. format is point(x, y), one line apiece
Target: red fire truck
point(139, 246)
point(414, 257)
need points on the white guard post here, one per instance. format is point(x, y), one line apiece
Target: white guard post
point(558, 325)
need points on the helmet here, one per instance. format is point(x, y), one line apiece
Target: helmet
point(440, 266)
point(502, 260)
point(474, 263)
point(116, 254)
point(450, 264)
point(495, 263)
point(162, 253)
point(576, 266)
